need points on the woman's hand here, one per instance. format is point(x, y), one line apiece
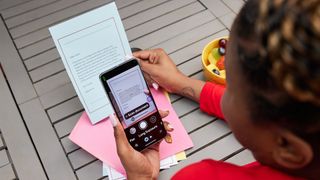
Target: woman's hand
point(158, 67)
point(138, 165)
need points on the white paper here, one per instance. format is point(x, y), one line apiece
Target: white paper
point(90, 44)
point(114, 175)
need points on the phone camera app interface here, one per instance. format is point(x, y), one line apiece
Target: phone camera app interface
point(136, 107)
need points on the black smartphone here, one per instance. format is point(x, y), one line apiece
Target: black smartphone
point(133, 104)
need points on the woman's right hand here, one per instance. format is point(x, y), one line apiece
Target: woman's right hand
point(159, 67)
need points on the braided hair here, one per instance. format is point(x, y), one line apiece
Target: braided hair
point(285, 61)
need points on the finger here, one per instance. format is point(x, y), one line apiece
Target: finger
point(146, 91)
point(148, 78)
point(152, 56)
point(168, 126)
point(164, 114)
point(144, 55)
point(123, 146)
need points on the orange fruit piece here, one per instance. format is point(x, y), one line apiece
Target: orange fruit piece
point(220, 63)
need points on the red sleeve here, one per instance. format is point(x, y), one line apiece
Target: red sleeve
point(210, 99)
point(217, 170)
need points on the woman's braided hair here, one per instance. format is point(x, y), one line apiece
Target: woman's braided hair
point(287, 59)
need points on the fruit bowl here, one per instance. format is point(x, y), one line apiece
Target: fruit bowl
point(210, 59)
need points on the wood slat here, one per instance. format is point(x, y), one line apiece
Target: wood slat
point(123, 3)
point(23, 8)
point(212, 131)
point(80, 158)
point(163, 21)
point(1, 142)
point(56, 17)
point(16, 137)
point(58, 95)
point(63, 110)
point(173, 30)
point(52, 83)
point(184, 106)
point(195, 49)
point(6, 172)
point(91, 171)
point(139, 7)
point(234, 5)
point(155, 12)
point(64, 127)
point(40, 12)
point(14, 69)
point(243, 158)
point(227, 19)
point(218, 150)
point(68, 145)
point(195, 120)
point(47, 144)
point(47, 70)
point(5, 4)
point(3, 158)
point(191, 36)
point(43, 33)
point(191, 67)
point(217, 7)
point(42, 59)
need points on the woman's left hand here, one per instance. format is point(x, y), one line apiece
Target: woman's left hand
point(138, 165)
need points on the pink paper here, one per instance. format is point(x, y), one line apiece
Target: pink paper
point(99, 141)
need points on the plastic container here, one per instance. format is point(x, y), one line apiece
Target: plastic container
point(210, 65)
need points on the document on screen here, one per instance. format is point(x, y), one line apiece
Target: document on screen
point(90, 44)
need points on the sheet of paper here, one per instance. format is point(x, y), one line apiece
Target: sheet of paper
point(181, 156)
point(90, 44)
point(114, 175)
point(98, 140)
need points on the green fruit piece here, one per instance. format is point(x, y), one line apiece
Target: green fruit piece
point(215, 53)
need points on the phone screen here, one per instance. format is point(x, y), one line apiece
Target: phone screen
point(134, 104)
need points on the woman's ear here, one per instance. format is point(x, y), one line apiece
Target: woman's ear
point(291, 151)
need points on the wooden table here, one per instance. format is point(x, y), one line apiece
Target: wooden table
point(39, 106)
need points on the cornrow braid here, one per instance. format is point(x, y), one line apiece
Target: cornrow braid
point(285, 59)
point(290, 33)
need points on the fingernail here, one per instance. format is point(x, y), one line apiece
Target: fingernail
point(146, 91)
point(170, 126)
point(155, 86)
point(113, 120)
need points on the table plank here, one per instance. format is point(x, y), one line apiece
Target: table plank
point(64, 127)
point(47, 144)
point(154, 12)
point(218, 150)
point(217, 7)
point(3, 158)
point(40, 12)
point(14, 69)
point(17, 138)
point(6, 172)
point(243, 158)
point(24, 8)
point(173, 30)
point(80, 158)
point(68, 145)
point(65, 109)
point(157, 23)
point(91, 171)
point(56, 17)
point(192, 36)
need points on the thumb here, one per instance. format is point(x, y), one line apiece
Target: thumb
point(123, 146)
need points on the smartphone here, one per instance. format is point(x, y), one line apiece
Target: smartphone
point(133, 104)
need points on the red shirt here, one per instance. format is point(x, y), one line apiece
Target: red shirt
point(210, 99)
